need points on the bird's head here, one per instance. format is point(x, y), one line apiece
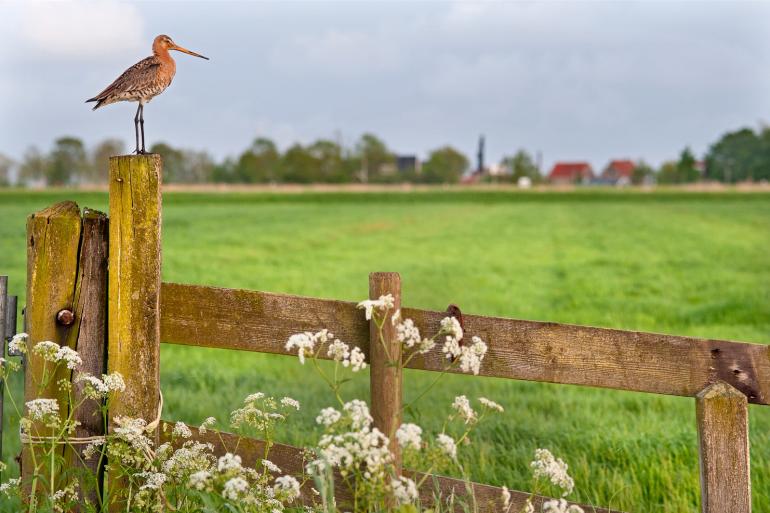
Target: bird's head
point(165, 43)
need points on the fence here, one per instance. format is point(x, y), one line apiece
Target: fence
point(69, 302)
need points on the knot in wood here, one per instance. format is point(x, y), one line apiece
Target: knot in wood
point(65, 317)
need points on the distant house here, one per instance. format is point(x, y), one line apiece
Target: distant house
point(407, 163)
point(571, 172)
point(618, 172)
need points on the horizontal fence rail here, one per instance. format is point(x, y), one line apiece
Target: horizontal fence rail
point(525, 350)
point(291, 460)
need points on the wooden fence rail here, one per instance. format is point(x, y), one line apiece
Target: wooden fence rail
point(721, 376)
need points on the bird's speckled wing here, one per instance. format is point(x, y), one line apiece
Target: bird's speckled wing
point(137, 80)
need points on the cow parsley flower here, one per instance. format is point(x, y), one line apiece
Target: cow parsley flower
point(234, 488)
point(489, 404)
point(288, 402)
point(358, 411)
point(407, 333)
point(47, 350)
point(472, 356)
point(92, 448)
point(560, 506)
point(9, 487)
point(270, 466)
point(200, 480)
point(18, 343)
point(304, 342)
point(409, 436)
point(328, 416)
point(447, 444)
point(42, 409)
point(114, 382)
point(463, 407)
point(356, 360)
point(286, 487)
point(229, 462)
point(181, 429)
point(555, 470)
point(404, 490)
point(153, 480)
point(69, 356)
point(338, 350)
point(384, 303)
point(206, 424)
point(450, 327)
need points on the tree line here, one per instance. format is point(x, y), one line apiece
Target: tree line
point(737, 156)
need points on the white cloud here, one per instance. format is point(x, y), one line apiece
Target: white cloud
point(80, 29)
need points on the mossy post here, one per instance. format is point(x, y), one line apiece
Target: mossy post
point(385, 373)
point(723, 433)
point(134, 287)
point(53, 241)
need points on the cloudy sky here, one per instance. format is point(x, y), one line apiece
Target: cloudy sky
point(573, 80)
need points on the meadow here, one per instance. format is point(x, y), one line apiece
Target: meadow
point(682, 263)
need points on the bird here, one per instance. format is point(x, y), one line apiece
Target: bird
point(144, 81)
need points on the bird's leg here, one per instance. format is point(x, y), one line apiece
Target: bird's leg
point(136, 127)
point(141, 124)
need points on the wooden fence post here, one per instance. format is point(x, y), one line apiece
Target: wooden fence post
point(3, 329)
point(88, 335)
point(385, 375)
point(723, 435)
point(53, 240)
point(134, 288)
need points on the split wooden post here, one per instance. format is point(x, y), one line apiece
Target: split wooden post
point(134, 288)
point(53, 240)
point(88, 335)
point(3, 330)
point(384, 359)
point(723, 435)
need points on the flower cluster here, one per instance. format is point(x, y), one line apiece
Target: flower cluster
point(555, 470)
point(53, 352)
point(305, 342)
point(382, 304)
point(97, 389)
point(262, 412)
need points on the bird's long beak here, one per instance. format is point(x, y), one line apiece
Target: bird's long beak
point(189, 52)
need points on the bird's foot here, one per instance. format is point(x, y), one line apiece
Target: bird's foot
point(140, 152)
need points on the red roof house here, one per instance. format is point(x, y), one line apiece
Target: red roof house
point(619, 171)
point(571, 172)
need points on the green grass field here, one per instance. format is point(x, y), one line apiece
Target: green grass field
point(688, 264)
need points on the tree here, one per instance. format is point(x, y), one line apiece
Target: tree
point(68, 162)
point(642, 173)
point(330, 165)
point(100, 159)
point(34, 166)
point(444, 165)
point(668, 173)
point(686, 170)
point(740, 155)
point(374, 157)
point(521, 164)
point(173, 162)
point(6, 164)
point(259, 163)
point(299, 166)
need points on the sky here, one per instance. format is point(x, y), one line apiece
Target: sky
point(569, 80)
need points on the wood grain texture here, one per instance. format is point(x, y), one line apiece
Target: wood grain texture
point(88, 335)
point(385, 373)
point(723, 434)
point(53, 240)
point(3, 329)
point(133, 328)
point(291, 460)
point(134, 282)
point(518, 349)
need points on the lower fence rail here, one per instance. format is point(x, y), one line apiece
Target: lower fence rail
point(291, 460)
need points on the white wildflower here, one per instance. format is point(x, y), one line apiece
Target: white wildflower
point(18, 344)
point(114, 382)
point(560, 506)
point(426, 345)
point(206, 424)
point(506, 497)
point(409, 436)
point(288, 402)
point(383, 304)
point(451, 348)
point(200, 480)
point(153, 480)
point(269, 465)
point(287, 487)
point(229, 462)
point(487, 403)
point(181, 429)
point(447, 445)
point(359, 414)
point(407, 333)
point(93, 387)
point(471, 357)
point(328, 416)
point(234, 488)
point(304, 342)
point(92, 448)
point(256, 396)
point(42, 409)
point(396, 317)
point(338, 350)
point(69, 356)
point(450, 326)
point(463, 407)
point(10, 486)
point(404, 490)
point(356, 360)
point(555, 470)
point(47, 350)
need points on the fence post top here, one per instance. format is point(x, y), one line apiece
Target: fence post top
point(719, 389)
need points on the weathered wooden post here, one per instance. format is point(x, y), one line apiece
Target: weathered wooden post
point(3, 318)
point(723, 434)
point(134, 287)
point(53, 240)
point(385, 373)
